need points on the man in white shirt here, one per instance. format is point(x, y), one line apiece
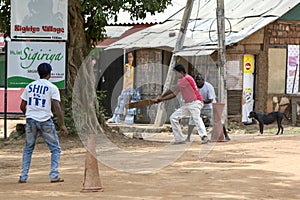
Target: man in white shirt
point(208, 94)
point(37, 99)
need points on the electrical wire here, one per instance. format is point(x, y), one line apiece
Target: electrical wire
point(210, 29)
point(198, 9)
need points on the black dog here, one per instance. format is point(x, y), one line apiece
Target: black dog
point(268, 119)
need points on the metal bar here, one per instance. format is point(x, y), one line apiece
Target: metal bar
point(5, 92)
point(179, 44)
point(222, 56)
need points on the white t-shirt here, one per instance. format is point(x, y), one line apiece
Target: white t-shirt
point(207, 92)
point(39, 95)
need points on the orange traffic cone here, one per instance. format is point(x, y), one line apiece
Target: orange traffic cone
point(217, 134)
point(91, 181)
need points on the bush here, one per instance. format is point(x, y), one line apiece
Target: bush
point(66, 101)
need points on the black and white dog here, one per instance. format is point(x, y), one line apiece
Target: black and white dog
point(269, 119)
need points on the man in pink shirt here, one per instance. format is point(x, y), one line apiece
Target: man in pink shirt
point(192, 107)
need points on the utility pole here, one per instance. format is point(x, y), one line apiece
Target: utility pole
point(222, 56)
point(159, 120)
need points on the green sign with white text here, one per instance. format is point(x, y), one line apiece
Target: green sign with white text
point(24, 58)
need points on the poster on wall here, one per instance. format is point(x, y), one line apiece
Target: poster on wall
point(248, 84)
point(23, 59)
point(128, 78)
point(292, 83)
point(2, 42)
point(39, 19)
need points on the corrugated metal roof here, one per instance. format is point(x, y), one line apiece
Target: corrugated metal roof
point(124, 17)
point(116, 31)
point(243, 17)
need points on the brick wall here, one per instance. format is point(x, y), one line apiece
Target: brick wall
point(284, 32)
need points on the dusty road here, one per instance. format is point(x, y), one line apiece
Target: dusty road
point(247, 167)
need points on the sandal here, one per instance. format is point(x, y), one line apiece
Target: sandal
point(22, 181)
point(56, 180)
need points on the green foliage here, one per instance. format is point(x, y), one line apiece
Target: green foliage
point(96, 13)
point(66, 101)
point(67, 114)
point(100, 112)
point(5, 17)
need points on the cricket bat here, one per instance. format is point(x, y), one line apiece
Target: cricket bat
point(141, 103)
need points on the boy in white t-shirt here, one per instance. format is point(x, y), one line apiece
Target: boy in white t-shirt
point(37, 99)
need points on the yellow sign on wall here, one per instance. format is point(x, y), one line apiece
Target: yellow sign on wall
point(248, 64)
point(248, 83)
point(128, 77)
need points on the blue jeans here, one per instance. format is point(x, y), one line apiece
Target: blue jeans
point(48, 133)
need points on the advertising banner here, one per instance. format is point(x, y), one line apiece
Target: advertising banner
point(128, 78)
point(248, 82)
point(23, 59)
point(292, 80)
point(2, 42)
point(39, 19)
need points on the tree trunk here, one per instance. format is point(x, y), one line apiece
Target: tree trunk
point(77, 51)
point(77, 47)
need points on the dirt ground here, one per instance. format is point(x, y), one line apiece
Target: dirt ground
point(247, 167)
